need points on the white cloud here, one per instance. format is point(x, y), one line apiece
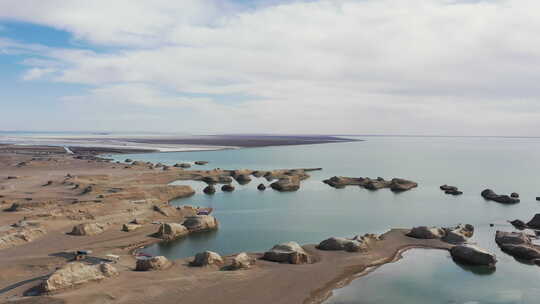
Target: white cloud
point(347, 66)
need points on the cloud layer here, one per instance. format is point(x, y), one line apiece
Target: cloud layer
point(326, 66)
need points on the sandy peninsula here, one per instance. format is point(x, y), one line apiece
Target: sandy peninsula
point(46, 192)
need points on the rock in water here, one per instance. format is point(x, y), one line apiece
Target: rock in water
point(424, 232)
point(261, 187)
point(514, 195)
point(286, 184)
point(227, 188)
point(445, 187)
point(89, 229)
point(519, 224)
point(241, 261)
point(243, 179)
point(172, 231)
point(518, 245)
point(153, 263)
point(503, 199)
point(534, 222)
point(289, 252)
point(400, 184)
point(77, 273)
point(473, 255)
point(200, 223)
point(207, 258)
point(201, 162)
point(210, 189)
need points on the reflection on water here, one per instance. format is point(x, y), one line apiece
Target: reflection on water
point(431, 277)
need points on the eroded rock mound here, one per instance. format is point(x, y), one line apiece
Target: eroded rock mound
point(453, 235)
point(207, 258)
point(490, 195)
point(171, 231)
point(77, 273)
point(210, 189)
point(287, 184)
point(153, 263)
point(339, 243)
point(396, 184)
point(473, 255)
point(200, 223)
point(289, 252)
point(241, 261)
point(424, 232)
point(400, 184)
point(227, 188)
point(518, 245)
point(89, 229)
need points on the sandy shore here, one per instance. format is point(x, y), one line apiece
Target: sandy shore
point(51, 191)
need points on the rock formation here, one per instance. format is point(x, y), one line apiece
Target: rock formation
point(200, 223)
point(89, 229)
point(289, 252)
point(518, 245)
point(210, 189)
point(396, 184)
point(452, 235)
point(153, 263)
point(130, 227)
point(261, 187)
point(227, 188)
point(207, 258)
point(171, 231)
point(473, 255)
point(77, 273)
point(286, 184)
point(490, 195)
point(241, 261)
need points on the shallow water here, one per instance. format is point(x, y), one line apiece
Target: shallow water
point(251, 220)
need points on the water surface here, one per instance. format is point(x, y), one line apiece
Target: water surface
point(251, 220)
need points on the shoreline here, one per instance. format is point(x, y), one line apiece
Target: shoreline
point(59, 205)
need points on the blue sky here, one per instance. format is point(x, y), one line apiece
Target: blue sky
point(320, 66)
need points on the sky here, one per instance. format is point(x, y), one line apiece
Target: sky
point(416, 67)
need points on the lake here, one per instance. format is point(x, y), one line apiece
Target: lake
point(251, 220)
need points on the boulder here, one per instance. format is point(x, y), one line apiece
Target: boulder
point(424, 232)
point(89, 229)
point(153, 263)
point(513, 238)
point(519, 224)
point(400, 184)
point(130, 227)
point(453, 192)
point(338, 243)
point(261, 187)
point(241, 261)
point(210, 189)
point(473, 255)
point(200, 223)
point(538, 198)
point(128, 160)
point(286, 184)
point(454, 237)
point(207, 258)
point(289, 252)
point(242, 179)
point(534, 222)
point(445, 187)
point(227, 188)
point(77, 273)
point(171, 231)
point(489, 194)
point(201, 162)
point(514, 195)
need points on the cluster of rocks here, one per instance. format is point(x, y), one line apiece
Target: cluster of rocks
point(77, 273)
point(518, 245)
point(197, 223)
point(395, 184)
point(452, 235)
point(490, 195)
point(453, 190)
point(20, 233)
point(210, 258)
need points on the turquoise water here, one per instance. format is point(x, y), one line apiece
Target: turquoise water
point(254, 221)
